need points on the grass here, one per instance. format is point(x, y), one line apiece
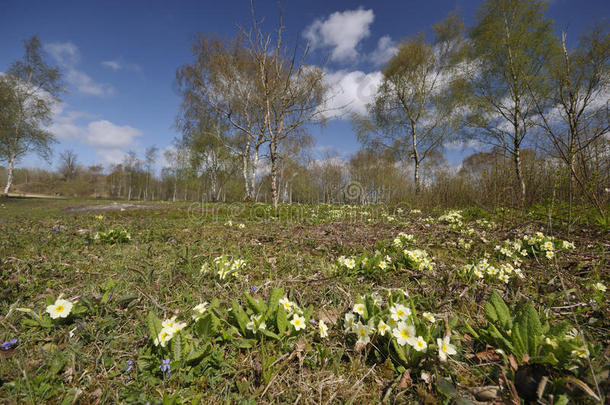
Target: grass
point(46, 251)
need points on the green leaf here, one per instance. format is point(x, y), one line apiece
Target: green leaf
point(274, 301)
point(246, 343)
point(561, 400)
point(196, 356)
point(501, 311)
point(257, 307)
point(400, 352)
point(240, 317)
point(529, 328)
point(470, 330)
point(281, 320)
point(154, 325)
point(548, 358)
point(270, 334)
point(176, 347)
point(446, 387)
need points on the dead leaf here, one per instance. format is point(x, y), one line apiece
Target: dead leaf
point(513, 362)
point(488, 393)
point(405, 380)
point(329, 316)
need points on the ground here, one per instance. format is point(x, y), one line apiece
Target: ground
point(148, 268)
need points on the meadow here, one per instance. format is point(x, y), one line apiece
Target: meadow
point(243, 303)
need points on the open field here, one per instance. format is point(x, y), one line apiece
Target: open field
point(386, 282)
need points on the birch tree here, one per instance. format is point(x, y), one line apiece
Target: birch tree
point(511, 43)
point(410, 112)
point(28, 92)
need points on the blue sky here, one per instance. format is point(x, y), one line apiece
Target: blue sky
point(120, 57)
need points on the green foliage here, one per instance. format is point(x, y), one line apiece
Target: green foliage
point(112, 236)
point(521, 333)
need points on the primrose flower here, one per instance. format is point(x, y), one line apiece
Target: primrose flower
point(241, 226)
point(548, 245)
point(383, 265)
point(429, 317)
point(363, 332)
point(567, 245)
point(550, 254)
point(377, 300)
point(552, 342)
point(348, 323)
point(322, 329)
point(99, 217)
point(419, 344)
point(298, 322)
point(350, 263)
point(583, 353)
point(599, 287)
point(199, 310)
point(169, 323)
point(60, 309)
point(503, 277)
point(524, 253)
point(399, 312)
point(403, 333)
point(285, 302)
point(382, 327)
point(163, 337)
point(492, 271)
point(359, 309)
point(478, 273)
point(445, 348)
point(255, 323)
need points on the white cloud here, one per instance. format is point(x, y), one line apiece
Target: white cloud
point(386, 49)
point(85, 84)
point(108, 139)
point(112, 64)
point(67, 56)
point(116, 66)
point(111, 156)
point(352, 91)
point(65, 53)
point(105, 134)
point(461, 145)
point(341, 31)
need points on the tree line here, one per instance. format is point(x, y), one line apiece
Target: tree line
point(535, 102)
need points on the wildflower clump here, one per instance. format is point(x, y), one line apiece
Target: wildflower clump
point(276, 318)
point(417, 259)
point(536, 245)
point(395, 328)
point(453, 218)
point(223, 267)
point(483, 270)
point(113, 236)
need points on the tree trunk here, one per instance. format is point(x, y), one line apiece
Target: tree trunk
point(416, 159)
point(274, 170)
point(519, 173)
point(254, 169)
point(9, 181)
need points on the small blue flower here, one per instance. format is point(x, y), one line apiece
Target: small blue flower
point(9, 344)
point(254, 289)
point(129, 364)
point(165, 368)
